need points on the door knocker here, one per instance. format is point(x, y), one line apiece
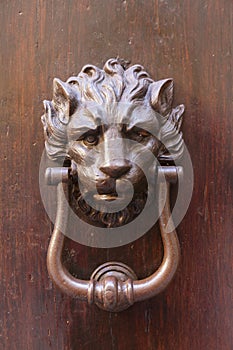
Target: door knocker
point(117, 141)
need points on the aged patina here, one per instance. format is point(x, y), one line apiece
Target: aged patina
point(95, 126)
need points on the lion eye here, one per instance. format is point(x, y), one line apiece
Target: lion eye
point(142, 133)
point(139, 134)
point(90, 140)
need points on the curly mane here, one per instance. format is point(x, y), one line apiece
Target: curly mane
point(114, 83)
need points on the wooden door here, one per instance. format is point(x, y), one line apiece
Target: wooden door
point(190, 41)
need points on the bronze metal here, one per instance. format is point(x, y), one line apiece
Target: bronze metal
point(86, 126)
point(114, 286)
point(61, 174)
point(57, 174)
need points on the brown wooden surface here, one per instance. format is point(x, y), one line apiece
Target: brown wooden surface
point(190, 41)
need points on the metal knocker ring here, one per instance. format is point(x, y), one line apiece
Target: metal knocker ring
point(114, 286)
point(101, 123)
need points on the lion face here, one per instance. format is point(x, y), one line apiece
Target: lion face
point(103, 153)
point(111, 125)
point(107, 148)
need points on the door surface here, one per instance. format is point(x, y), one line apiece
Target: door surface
point(192, 42)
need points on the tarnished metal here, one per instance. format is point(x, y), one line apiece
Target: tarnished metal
point(114, 286)
point(113, 127)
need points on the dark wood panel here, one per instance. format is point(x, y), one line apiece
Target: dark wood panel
point(189, 41)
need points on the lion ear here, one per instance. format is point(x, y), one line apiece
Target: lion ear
point(161, 96)
point(176, 116)
point(64, 100)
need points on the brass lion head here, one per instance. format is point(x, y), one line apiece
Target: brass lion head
point(109, 124)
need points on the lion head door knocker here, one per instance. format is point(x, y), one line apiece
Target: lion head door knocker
point(117, 138)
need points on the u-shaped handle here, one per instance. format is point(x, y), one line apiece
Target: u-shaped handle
point(114, 286)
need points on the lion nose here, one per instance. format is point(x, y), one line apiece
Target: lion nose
point(116, 168)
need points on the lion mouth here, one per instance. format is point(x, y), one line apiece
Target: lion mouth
point(114, 203)
point(108, 219)
point(107, 197)
point(121, 190)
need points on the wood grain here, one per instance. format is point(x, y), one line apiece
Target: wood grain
point(189, 41)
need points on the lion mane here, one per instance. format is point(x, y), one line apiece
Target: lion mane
point(114, 83)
